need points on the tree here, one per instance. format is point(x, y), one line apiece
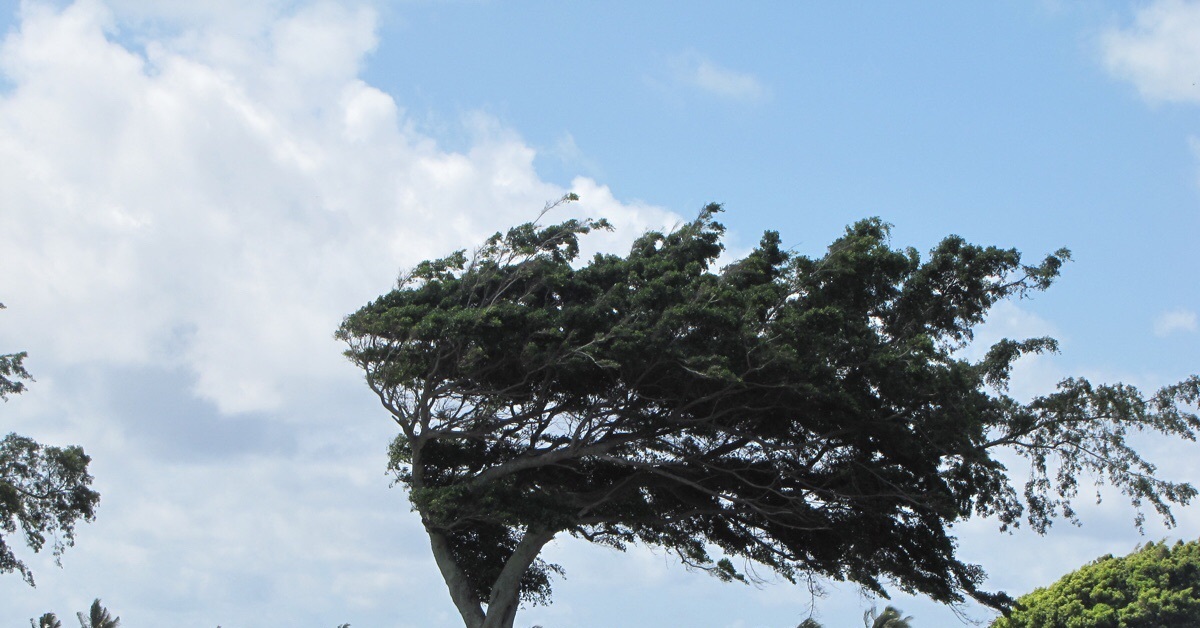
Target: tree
point(48, 620)
point(12, 371)
point(1157, 586)
point(891, 617)
point(98, 617)
point(44, 490)
point(813, 416)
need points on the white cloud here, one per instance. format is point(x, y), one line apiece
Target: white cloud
point(1175, 321)
point(218, 199)
point(191, 199)
point(697, 71)
point(1160, 52)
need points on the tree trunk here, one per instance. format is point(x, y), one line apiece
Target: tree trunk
point(505, 598)
point(506, 590)
point(456, 581)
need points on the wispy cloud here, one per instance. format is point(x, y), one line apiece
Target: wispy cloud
point(696, 70)
point(1159, 52)
point(1175, 321)
point(567, 151)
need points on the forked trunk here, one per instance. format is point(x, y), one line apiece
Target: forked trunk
point(505, 598)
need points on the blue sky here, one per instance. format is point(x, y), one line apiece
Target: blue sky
point(1000, 123)
point(194, 195)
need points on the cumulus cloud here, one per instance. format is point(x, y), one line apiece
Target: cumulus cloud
point(697, 71)
point(191, 199)
point(1159, 52)
point(1175, 321)
point(216, 200)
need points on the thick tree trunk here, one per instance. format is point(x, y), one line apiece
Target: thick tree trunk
point(506, 590)
point(460, 589)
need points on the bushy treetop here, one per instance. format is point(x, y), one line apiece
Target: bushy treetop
point(1157, 586)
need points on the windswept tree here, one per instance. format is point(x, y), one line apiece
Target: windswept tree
point(44, 490)
point(814, 416)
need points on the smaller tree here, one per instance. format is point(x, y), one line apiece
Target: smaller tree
point(1157, 586)
point(891, 617)
point(98, 617)
point(12, 371)
point(48, 620)
point(43, 490)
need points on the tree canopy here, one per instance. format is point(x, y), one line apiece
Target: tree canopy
point(811, 415)
point(44, 490)
point(1157, 586)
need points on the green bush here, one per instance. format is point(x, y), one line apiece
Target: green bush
point(1157, 586)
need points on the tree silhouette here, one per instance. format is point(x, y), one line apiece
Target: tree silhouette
point(98, 617)
point(811, 415)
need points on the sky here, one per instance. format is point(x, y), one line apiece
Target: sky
point(192, 196)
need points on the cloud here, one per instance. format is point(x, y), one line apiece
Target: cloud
point(1175, 321)
point(216, 200)
point(190, 202)
point(696, 71)
point(1159, 52)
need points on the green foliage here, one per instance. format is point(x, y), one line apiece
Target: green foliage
point(1157, 586)
point(811, 415)
point(12, 371)
point(44, 490)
